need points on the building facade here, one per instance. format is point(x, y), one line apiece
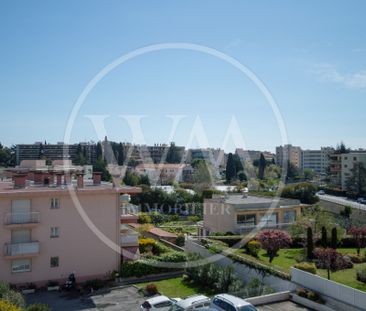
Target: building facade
point(317, 160)
point(43, 234)
point(239, 214)
point(59, 151)
point(289, 153)
point(348, 161)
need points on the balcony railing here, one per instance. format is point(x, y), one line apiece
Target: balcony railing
point(241, 229)
point(21, 249)
point(22, 218)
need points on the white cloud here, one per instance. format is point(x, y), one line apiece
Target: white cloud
point(329, 73)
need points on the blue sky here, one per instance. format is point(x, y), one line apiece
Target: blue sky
point(311, 55)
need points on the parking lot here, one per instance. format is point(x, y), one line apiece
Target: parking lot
point(121, 299)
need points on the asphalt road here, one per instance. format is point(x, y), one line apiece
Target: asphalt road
point(342, 201)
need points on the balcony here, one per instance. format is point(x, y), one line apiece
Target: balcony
point(19, 250)
point(243, 229)
point(22, 219)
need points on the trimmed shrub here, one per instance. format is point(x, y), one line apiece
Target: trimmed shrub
point(173, 257)
point(160, 248)
point(347, 262)
point(38, 307)
point(253, 247)
point(180, 241)
point(146, 245)
point(315, 297)
point(302, 292)
point(11, 296)
point(361, 275)
point(151, 289)
point(356, 258)
point(7, 306)
point(306, 266)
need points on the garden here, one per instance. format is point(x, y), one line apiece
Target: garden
point(317, 245)
point(208, 279)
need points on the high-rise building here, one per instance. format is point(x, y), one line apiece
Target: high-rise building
point(289, 153)
point(59, 151)
point(317, 160)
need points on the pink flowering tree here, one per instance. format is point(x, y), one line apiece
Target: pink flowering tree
point(329, 259)
point(358, 235)
point(272, 241)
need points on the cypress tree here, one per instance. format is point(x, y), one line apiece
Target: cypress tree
point(261, 166)
point(230, 168)
point(324, 237)
point(310, 244)
point(334, 238)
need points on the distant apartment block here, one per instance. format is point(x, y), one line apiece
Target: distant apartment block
point(166, 173)
point(317, 160)
point(240, 214)
point(290, 153)
point(157, 153)
point(42, 234)
point(52, 152)
point(253, 155)
point(348, 160)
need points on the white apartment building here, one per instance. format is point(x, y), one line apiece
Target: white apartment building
point(316, 160)
point(348, 160)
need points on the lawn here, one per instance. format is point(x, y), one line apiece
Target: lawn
point(177, 287)
point(287, 258)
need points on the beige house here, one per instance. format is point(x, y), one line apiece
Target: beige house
point(240, 214)
point(43, 235)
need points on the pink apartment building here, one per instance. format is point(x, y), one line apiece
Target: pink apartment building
point(43, 235)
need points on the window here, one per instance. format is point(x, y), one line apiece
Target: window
point(289, 216)
point(21, 265)
point(55, 232)
point(247, 220)
point(54, 262)
point(163, 304)
point(271, 219)
point(55, 203)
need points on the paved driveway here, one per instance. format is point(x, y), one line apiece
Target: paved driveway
point(122, 299)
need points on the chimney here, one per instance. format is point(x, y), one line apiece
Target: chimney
point(19, 180)
point(80, 180)
point(97, 178)
point(67, 179)
point(58, 179)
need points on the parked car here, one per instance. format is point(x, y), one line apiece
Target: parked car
point(226, 302)
point(191, 303)
point(158, 303)
point(361, 200)
point(321, 192)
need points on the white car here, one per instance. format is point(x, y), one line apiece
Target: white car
point(158, 303)
point(191, 303)
point(226, 302)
